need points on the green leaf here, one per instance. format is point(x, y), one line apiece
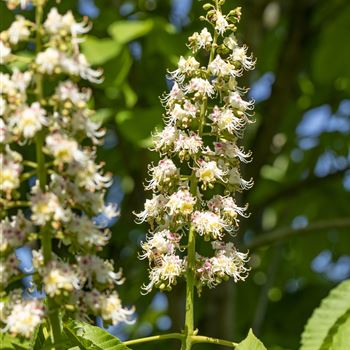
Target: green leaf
point(129, 95)
point(8, 342)
point(126, 31)
point(328, 67)
point(250, 343)
point(341, 340)
point(136, 125)
point(98, 51)
point(102, 115)
point(38, 338)
point(322, 325)
point(88, 337)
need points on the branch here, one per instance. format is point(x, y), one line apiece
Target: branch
point(194, 339)
point(155, 338)
point(287, 232)
point(295, 188)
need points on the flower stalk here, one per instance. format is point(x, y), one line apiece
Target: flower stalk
point(195, 182)
point(67, 210)
point(45, 234)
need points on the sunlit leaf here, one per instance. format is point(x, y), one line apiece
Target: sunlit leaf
point(99, 51)
point(250, 343)
point(88, 337)
point(341, 340)
point(126, 31)
point(323, 319)
point(8, 342)
point(137, 125)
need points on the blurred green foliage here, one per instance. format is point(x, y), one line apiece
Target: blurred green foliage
point(300, 166)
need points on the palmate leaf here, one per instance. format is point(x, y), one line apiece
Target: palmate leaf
point(324, 325)
point(341, 340)
point(88, 337)
point(250, 343)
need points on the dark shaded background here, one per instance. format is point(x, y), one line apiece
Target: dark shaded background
point(300, 143)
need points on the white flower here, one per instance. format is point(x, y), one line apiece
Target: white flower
point(209, 172)
point(86, 72)
point(200, 87)
point(175, 95)
point(53, 22)
point(182, 114)
point(64, 149)
point(236, 101)
point(75, 28)
point(164, 242)
point(8, 268)
point(163, 174)
point(231, 42)
point(12, 4)
point(111, 210)
point(14, 232)
point(57, 24)
point(11, 168)
point(227, 207)
point(221, 23)
point(102, 271)
point(220, 67)
point(226, 120)
point(228, 261)
point(239, 54)
point(164, 139)
point(2, 106)
point(234, 178)
point(80, 66)
point(186, 67)
point(231, 150)
point(154, 207)
point(18, 30)
point(67, 90)
point(109, 307)
point(46, 206)
point(188, 145)
point(165, 275)
point(60, 277)
point(20, 81)
point(181, 202)
point(209, 224)
point(5, 53)
point(5, 135)
point(87, 233)
point(201, 40)
point(86, 174)
point(24, 317)
point(48, 60)
point(29, 120)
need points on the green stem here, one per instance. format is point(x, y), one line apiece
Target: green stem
point(45, 234)
point(195, 339)
point(154, 338)
point(190, 281)
point(209, 340)
point(191, 246)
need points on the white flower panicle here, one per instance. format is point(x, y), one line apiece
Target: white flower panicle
point(43, 107)
point(195, 181)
